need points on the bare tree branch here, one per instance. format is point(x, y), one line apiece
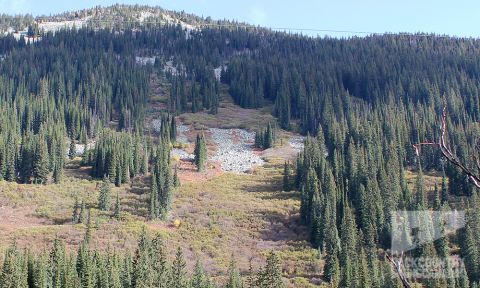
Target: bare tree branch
point(397, 264)
point(449, 155)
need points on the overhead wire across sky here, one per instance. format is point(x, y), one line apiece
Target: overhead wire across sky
point(280, 29)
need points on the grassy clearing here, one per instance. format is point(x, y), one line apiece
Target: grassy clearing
point(247, 215)
point(241, 214)
point(229, 115)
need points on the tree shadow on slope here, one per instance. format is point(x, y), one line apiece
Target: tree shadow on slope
point(283, 228)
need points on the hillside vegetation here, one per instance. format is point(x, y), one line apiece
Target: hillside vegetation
point(231, 154)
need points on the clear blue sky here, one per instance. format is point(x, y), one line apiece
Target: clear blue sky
point(459, 18)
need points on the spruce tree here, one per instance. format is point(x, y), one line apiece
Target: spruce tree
point(117, 210)
point(82, 217)
point(41, 163)
point(271, 275)
point(104, 197)
point(72, 151)
point(199, 278)
point(200, 152)
point(173, 130)
point(179, 273)
point(234, 278)
point(57, 173)
point(286, 176)
point(76, 212)
point(176, 180)
point(444, 189)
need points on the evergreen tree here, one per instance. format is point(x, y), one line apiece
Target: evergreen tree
point(444, 189)
point(199, 279)
point(176, 180)
point(117, 210)
point(200, 152)
point(76, 212)
point(286, 176)
point(234, 278)
point(41, 163)
point(179, 279)
point(104, 198)
point(82, 217)
point(72, 151)
point(271, 275)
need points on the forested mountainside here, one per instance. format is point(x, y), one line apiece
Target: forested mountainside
point(362, 102)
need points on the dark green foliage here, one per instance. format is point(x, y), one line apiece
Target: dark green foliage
point(82, 215)
point(179, 273)
point(176, 180)
point(444, 188)
point(367, 100)
point(41, 163)
point(13, 272)
point(104, 197)
point(118, 208)
point(150, 266)
point(72, 151)
point(173, 130)
point(199, 278)
point(266, 138)
point(117, 155)
point(234, 279)
point(271, 275)
point(76, 212)
point(73, 91)
point(200, 152)
point(287, 174)
point(162, 183)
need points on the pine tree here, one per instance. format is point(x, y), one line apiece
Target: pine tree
point(348, 252)
point(271, 275)
point(41, 163)
point(199, 279)
point(57, 263)
point(176, 180)
point(200, 153)
point(234, 279)
point(251, 279)
point(104, 198)
point(286, 176)
point(419, 190)
point(89, 231)
point(12, 275)
point(269, 137)
point(72, 151)
point(117, 210)
point(57, 173)
point(444, 189)
point(76, 212)
point(160, 264)
point(82, 217)
point(153, 198)
point(179, 278)
point(173, 130)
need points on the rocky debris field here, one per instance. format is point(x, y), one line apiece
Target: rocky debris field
point(181, 131)
point(144, 60)
point(297, 142)
point(234, 149)
point(182, 138)
point(156, 124)
point(181, 154)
